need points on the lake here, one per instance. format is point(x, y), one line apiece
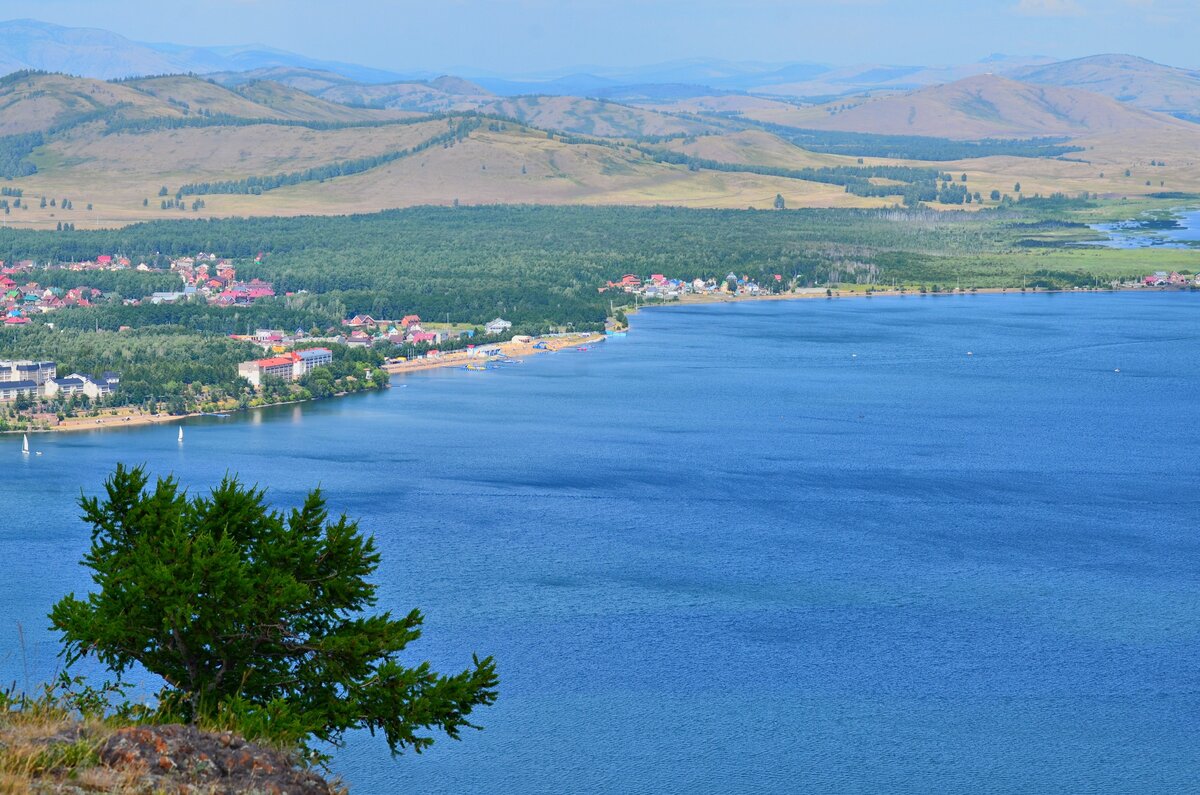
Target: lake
point(793, 546)
point(1184, 232)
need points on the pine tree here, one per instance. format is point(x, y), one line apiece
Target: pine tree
point(254, 615)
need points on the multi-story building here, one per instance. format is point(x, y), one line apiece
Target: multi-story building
point(11, 390)
point(287, 366)
point(77, 384)
point(25, 370)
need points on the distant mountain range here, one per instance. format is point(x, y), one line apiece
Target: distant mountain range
point(27, 44)
point(89, 52)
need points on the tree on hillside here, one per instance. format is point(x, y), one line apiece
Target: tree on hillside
point(779, 202)
point(1017, 188)
point(255, 617)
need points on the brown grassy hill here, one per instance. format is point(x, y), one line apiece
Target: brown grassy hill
point(295, 104)
point(412, 96)
point(525, 166)
point(172, 157)
point(37, 102)
point(311, 81)
point(593, 117)
point(196, 95)
point(988, 106)
point(753, 148)
point(1126, 78)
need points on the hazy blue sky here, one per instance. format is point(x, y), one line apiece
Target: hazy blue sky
point(513, 36)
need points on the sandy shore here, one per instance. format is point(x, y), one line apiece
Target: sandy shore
point(888, 292)
point(514, 350)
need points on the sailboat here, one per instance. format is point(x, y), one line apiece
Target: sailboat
point(181, 435)
point(25, 444)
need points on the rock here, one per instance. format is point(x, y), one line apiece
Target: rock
point(181, 759)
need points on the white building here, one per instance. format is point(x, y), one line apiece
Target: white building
point(77, 384)
point(25, 370)
point(497, 326)
point(11, 390)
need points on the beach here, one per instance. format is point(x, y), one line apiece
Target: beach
point(551, 344)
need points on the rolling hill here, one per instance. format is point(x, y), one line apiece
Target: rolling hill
point(442, 95)
point(593, 117)
point(184, 146)
point(986, 106)
point(41, 102)
point(1131, 80)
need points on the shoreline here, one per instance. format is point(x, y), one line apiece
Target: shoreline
point(898, 293)
point(128, 419)
point(817, 293)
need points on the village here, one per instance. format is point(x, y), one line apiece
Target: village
point(204, 277)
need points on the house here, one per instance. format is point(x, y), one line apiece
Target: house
point(410, 320)
point(11, 390)
point(497, 326)
point(359, 339)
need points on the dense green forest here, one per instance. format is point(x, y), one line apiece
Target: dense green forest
point(537, 266)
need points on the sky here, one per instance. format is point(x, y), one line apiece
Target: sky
point(517, 37)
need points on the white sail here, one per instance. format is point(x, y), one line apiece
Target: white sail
point(181, 434)
point(25, 444)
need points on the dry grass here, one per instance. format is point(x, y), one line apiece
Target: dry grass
point(45, 750)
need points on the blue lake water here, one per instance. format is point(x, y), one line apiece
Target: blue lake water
point(806, 546)
point(1136, 234)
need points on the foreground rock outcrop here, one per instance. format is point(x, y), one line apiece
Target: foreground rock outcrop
point(173, 759)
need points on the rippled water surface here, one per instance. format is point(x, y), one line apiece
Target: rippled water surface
point(765, 547)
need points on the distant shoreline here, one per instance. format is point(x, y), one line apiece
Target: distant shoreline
point(702, 300)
